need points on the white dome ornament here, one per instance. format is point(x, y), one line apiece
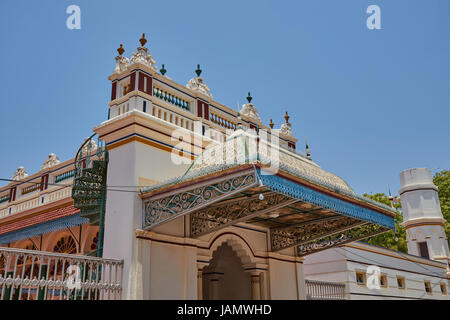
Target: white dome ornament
point(249, 109)
point(122, 62)
point(197, 84)
point(19, 174)
point(286, 129)
point(52, 160)
point(142, 55)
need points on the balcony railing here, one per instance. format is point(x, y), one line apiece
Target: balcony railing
point(320, 290)
point(39, 275)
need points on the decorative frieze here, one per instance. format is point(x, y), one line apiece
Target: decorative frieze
point(157, 211)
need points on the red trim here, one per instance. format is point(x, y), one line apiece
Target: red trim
point(12, 194)
point(148, 90)
point(199, 108)
point(141, 82)
point(113, 91)
point(133, 81)
point(40, 218)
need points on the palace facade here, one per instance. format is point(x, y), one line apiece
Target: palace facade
point(195, 200)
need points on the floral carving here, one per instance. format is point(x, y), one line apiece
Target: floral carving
point(52, 160)
point(20, 174)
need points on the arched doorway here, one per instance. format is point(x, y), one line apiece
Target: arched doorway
point(225, 278)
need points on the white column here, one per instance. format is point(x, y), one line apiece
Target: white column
point(255, 281)
point(301, 286)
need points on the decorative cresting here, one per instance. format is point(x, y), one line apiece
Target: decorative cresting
point(19, 174)
point(354, 234)
point(142, 55)
point(286, 128)
point(197, 84)
point(249, 109)
point(300, 192)
point(286, 237)
point(52, 160)
point(122, 62)
point(166, 208)
point(39, 275)
point(89, 185)
point(219, 216)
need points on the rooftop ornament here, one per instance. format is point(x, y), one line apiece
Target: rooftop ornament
point(286, 129)
point(52, 160)
point(271, 124)
point(19, 174)
point(249, 109)
point(163, 70)
point(308, 152)
point(122, 62)
point(197, 84)
point(142, 55)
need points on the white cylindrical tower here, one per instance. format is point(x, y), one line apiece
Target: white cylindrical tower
point(422, 216)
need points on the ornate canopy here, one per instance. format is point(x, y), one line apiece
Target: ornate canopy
point(249, 180)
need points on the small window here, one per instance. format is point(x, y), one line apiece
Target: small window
point(428, 287)
point(360, 277)
point(144, 108)
point(443, 288)
point(401, 282)
point(423, 250)
point(383, 281)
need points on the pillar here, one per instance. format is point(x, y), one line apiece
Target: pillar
point(255, 281)
point(200, 284)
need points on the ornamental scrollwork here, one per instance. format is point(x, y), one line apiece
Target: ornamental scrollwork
point(219, 216)
point(157, 211)
point(354, 234)
point(297, 235)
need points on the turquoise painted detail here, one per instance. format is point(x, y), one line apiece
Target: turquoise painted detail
point(64, 176)
point(4, 198)
point(297, 191)
point(164, 95)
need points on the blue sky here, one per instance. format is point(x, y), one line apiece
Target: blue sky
point(371, 102)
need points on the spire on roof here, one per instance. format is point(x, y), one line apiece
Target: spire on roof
point(122, 62)
point(271, 124)
point(121, 50)
point(163, 70)
point(249, 109)
point(197, 84)
point(308, 152)
point(286, 127)
point(142, 55)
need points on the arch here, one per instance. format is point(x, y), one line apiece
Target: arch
point(237, 242)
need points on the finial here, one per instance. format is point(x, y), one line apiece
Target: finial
point(308, 152)
point(287, 117)
point(163, 70)
point(249, 98)
point(121, 50)
point(142, 40)
point(198, 71)
point(271, 124)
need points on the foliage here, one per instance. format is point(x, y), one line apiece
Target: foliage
point(442, 181)
point(388, 239)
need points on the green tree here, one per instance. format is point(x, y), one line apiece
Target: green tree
point(442, 181)
point(390, 239)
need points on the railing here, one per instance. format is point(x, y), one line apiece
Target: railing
point(167, 96)
point(63, 176)
point(37, 201)
point(39, 275)
point(320, 290)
